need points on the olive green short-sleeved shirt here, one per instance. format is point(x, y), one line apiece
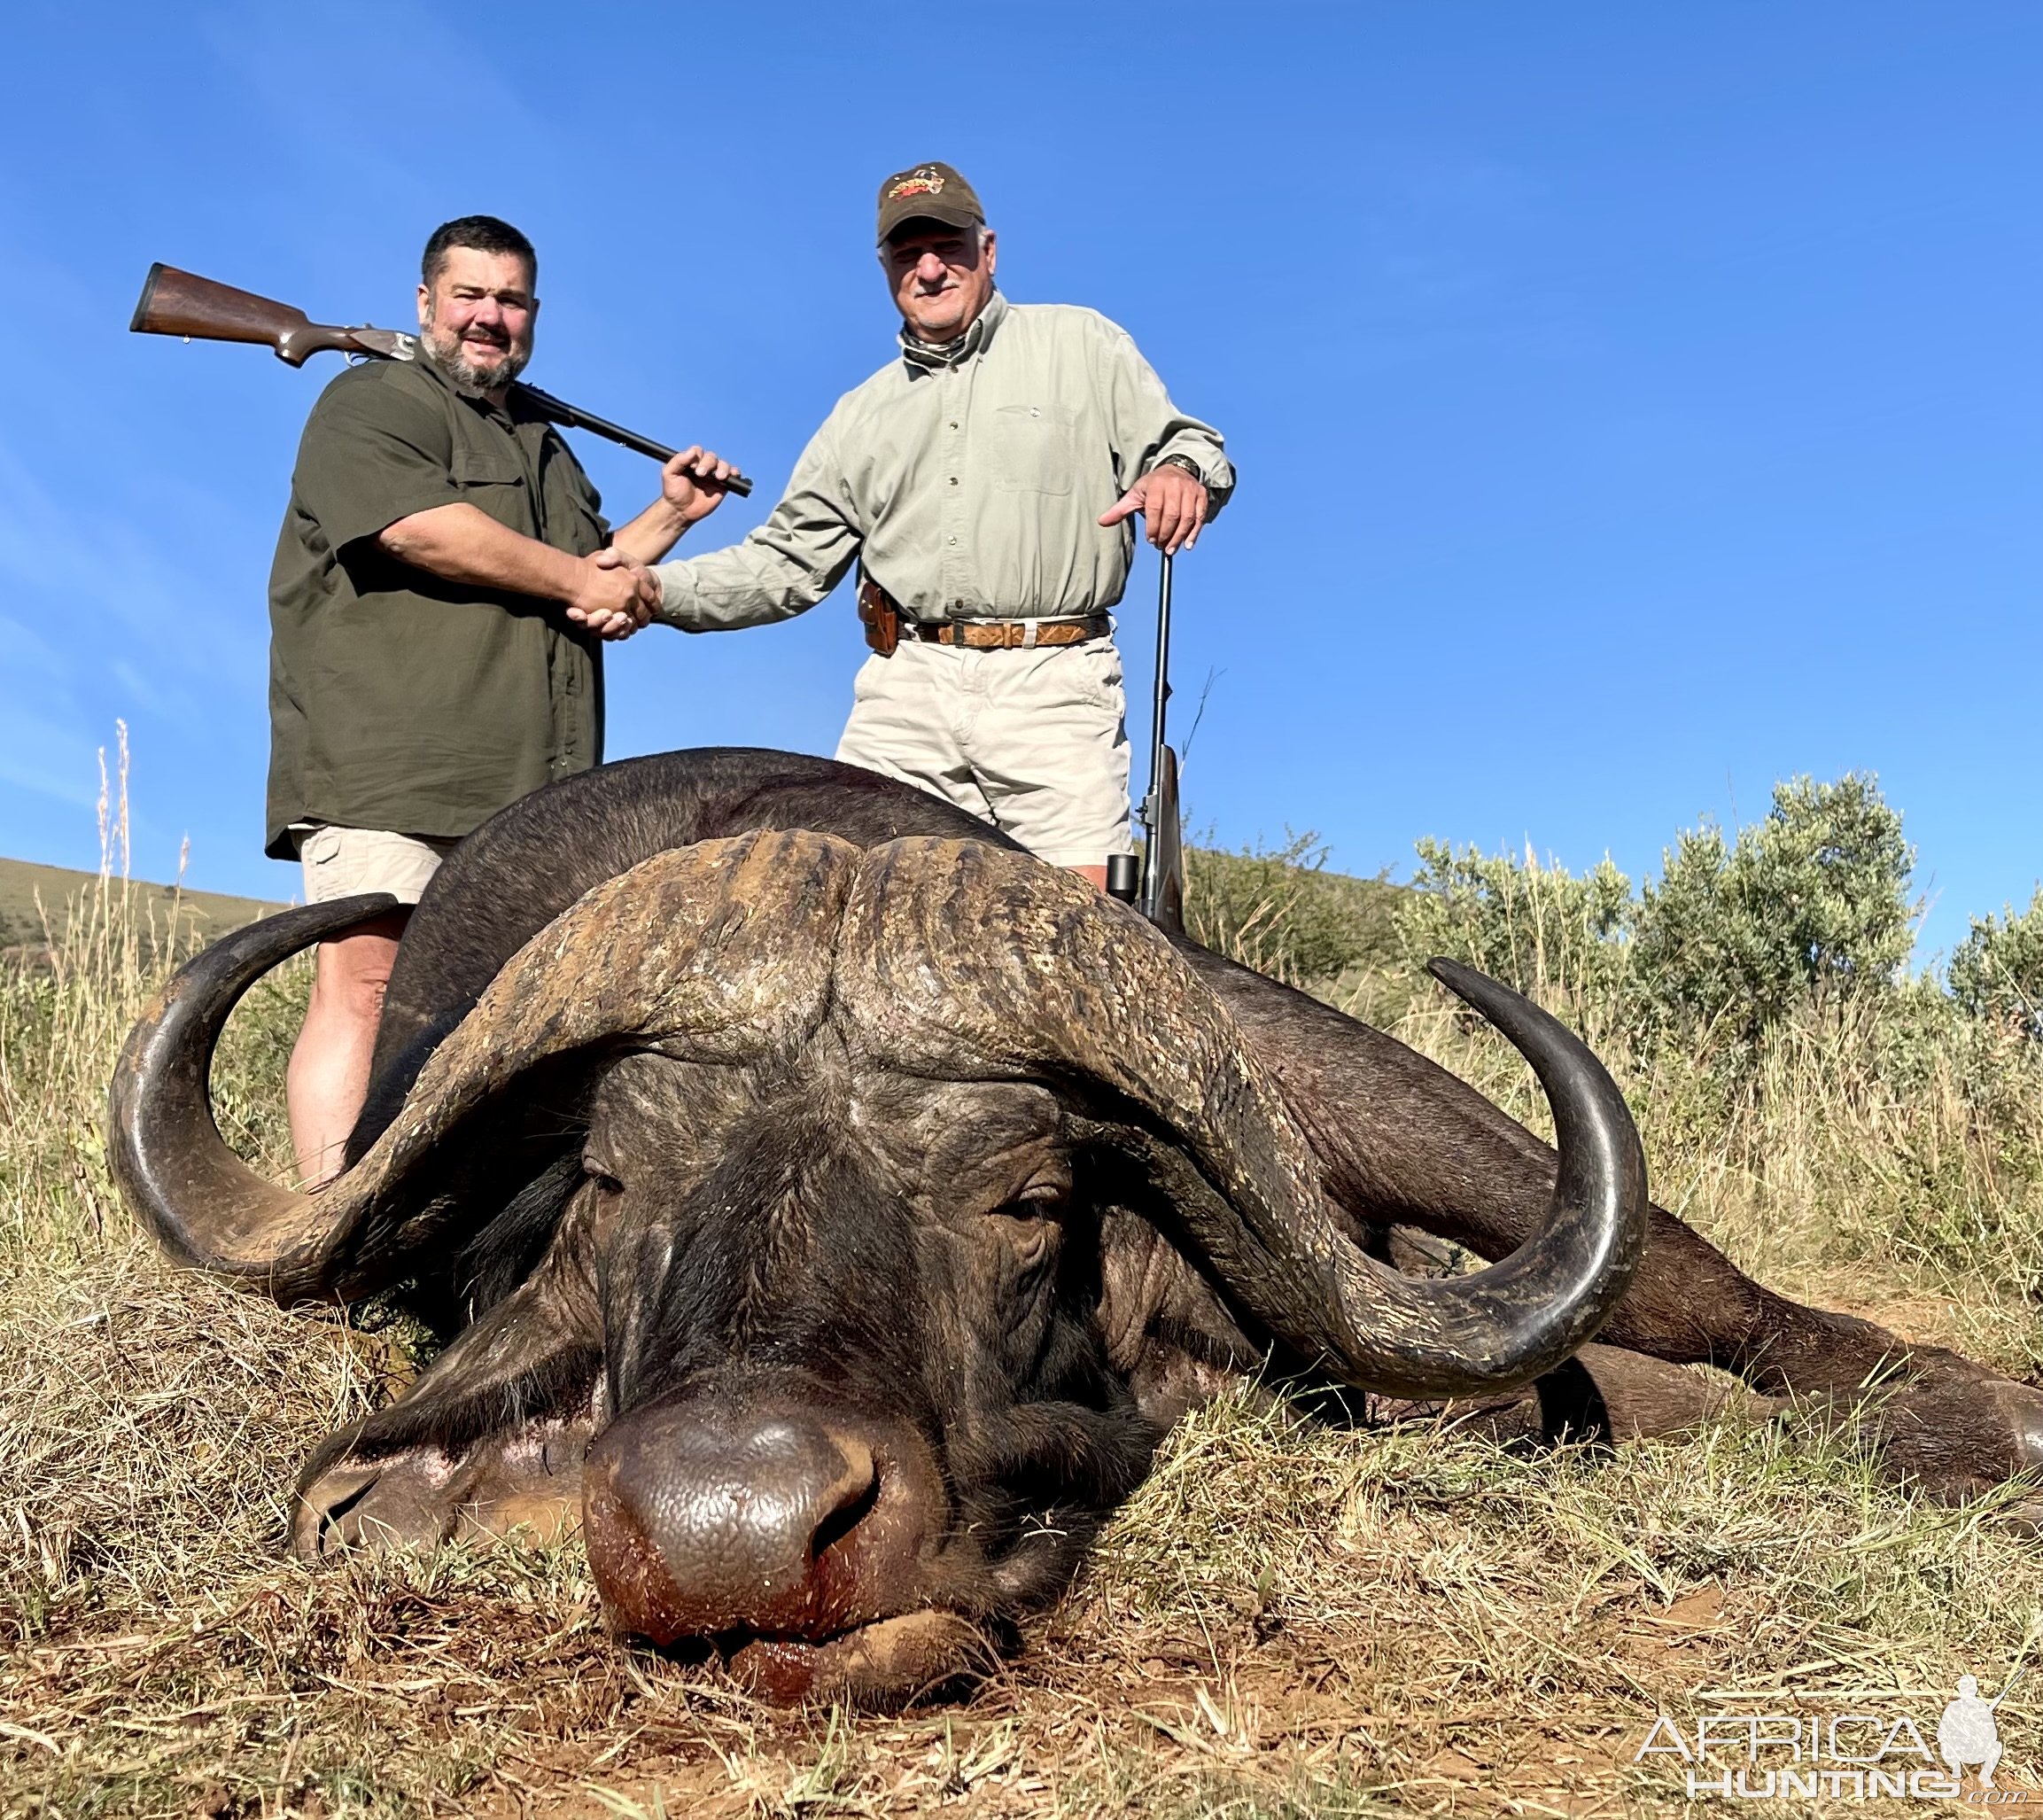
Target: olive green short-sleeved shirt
point(397, 700)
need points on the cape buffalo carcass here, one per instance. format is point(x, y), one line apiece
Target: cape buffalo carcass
point(829, 1206)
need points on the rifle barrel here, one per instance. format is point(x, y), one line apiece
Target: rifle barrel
point(1153, 808)
point(558, 410)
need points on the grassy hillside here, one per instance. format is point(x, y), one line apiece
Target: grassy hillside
point(1289, 1620)
point(33, 898)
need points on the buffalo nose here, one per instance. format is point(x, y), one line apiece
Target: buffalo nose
point(701, 1520)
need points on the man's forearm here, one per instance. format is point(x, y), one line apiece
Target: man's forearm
point(769, 576)
point(462, 543)
point(651, 534)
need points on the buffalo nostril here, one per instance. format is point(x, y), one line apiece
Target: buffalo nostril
point(856, 1506)
point(328, 1523)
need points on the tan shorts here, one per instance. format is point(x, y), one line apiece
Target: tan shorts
point(342, 862)
point(1032, 741)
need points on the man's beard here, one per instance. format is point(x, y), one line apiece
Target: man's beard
point(447, 356)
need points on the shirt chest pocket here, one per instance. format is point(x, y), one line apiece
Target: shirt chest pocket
point(574, 509)
point(1035, 449)
point(494, 483)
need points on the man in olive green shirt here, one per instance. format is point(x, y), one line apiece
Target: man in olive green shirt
point(442, 584)
point(986, 480)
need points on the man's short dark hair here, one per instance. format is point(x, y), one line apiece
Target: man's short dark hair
point(479, 233)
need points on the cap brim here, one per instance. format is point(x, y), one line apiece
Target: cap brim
point(948, 214)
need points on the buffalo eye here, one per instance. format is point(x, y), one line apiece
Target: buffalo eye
point(1039, 1201)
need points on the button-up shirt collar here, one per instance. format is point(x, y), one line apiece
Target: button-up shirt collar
point(927, 357)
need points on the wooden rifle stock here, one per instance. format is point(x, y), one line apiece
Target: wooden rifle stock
point(182, 303)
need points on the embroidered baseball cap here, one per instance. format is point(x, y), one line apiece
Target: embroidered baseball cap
point(929, 191)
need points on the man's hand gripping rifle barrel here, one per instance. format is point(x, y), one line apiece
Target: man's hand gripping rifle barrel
point(182, 303)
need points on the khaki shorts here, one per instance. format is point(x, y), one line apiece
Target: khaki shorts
point(1032, 741)
point(342, 862)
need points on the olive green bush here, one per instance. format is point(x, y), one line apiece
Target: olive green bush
point(1809, 907)
point(1806, 909)
point(1539, 929)
point(1997, 972)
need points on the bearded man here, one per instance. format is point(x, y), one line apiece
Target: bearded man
point(442, 587)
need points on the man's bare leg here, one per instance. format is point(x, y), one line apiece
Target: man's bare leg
point(1097, 874)
point(328, 1074)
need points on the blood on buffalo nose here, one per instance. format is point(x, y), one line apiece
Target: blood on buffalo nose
point(702, 1520)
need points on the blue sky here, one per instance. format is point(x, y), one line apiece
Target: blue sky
point(1633, 405)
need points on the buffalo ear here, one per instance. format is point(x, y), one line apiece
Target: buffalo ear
point(505, 1252)
point(1162, 1315)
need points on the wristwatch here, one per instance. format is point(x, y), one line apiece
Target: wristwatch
point(1186, 462)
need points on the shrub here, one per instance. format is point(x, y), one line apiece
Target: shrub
point(1538, 928)
point(1807, 907)
point(1997, 973)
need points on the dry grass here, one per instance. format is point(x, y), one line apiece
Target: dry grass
point(1289, 1620)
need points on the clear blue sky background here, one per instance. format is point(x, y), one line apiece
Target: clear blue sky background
point(1634, 404)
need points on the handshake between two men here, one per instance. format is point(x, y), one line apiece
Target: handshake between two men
point(612, 590)
point(622, 592)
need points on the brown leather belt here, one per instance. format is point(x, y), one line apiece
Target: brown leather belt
point(1008, 634)
point(886, 626)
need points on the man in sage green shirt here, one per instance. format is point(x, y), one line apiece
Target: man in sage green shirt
point(986, 480)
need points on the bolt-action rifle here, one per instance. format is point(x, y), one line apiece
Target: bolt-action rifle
point(182, 303)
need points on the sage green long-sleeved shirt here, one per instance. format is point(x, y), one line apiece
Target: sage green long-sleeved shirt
point(972, 489)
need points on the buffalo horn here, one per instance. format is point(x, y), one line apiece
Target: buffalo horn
point(951, 959)
point(715, 952)
point(947, 948)
point(201, 1202)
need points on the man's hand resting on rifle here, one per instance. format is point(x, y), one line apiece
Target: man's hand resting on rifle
point(692, 484)
point(1173, 504)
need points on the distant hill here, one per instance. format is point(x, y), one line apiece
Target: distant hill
point(205, 915)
